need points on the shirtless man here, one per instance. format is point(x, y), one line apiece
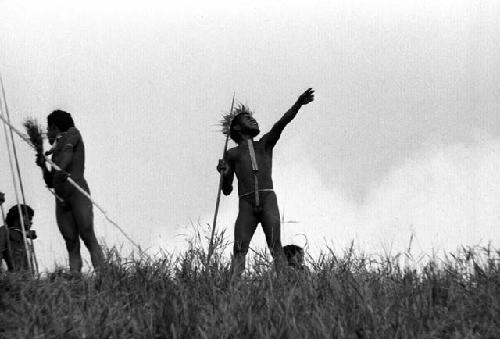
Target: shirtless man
point(252, 162)
point(74, 215)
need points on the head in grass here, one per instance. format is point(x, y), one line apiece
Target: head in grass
point(294, 255)
point(240, 123)
point(57, 123)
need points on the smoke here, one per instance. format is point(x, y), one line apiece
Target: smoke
point(443, 197)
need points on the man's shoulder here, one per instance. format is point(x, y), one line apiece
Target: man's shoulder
point(72, 132)
point(265, 140)
point(233, 154)
point(232, 151)
point(71, 136)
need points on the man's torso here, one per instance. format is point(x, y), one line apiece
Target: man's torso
point(71, 138)
point(239, 158)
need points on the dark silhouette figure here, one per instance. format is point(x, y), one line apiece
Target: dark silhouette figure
point(12, 249)
point(251, 161)
point(74, 215)
point(294, 255)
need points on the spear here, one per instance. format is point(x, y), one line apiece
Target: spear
point(7, 141)
point(226, 122)
point(71, 181)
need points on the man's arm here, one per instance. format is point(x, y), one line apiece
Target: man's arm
point(227, 181)
point(272, 137)
point(48, 175)
point(69, 141)
point(226, 169)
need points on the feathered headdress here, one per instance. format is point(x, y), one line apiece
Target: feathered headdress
point(34, 130)
point(228, 118)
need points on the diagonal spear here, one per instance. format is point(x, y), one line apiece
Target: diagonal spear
point(217, 201)
point(27, 247)
point(71, 181)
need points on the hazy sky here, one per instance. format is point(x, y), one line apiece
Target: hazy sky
point(403, 137)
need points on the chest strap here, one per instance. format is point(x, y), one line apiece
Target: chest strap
point(255, 169)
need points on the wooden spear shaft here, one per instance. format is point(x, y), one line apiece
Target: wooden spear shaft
point(217, 201)
point(21, 219)
point(33, 265)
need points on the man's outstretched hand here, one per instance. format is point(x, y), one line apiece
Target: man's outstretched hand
point(306, 97)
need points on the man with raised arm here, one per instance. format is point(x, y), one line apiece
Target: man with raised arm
point(251, 161)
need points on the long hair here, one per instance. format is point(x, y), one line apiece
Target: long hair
point(61, 119)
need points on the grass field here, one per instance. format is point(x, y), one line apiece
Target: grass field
point(346, 295)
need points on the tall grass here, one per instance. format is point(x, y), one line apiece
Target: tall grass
point(341, 295)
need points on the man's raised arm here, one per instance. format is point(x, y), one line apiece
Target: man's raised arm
point(274, 134)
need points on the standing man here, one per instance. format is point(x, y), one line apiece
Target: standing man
point(74, 214)
point(252, 162)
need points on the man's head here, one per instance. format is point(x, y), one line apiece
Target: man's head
point(58, 122)
point(294, 255)
point(12, 218)
point(243, 124)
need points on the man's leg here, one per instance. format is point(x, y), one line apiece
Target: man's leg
point(270, 219)
point(68, 229)
point(81, 208)
point(244, 228)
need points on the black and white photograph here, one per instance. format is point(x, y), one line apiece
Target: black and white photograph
point(250, 169)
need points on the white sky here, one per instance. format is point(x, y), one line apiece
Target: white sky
point(404, 135)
